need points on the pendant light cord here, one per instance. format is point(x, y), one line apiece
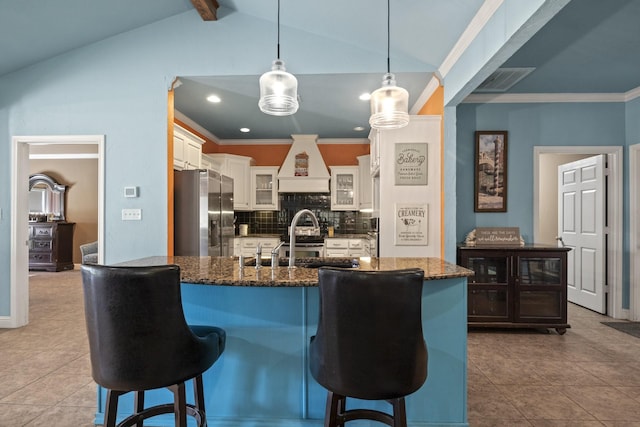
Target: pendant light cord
point(278, 30)
point(388, 35)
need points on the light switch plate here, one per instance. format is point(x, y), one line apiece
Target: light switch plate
point(131, 214)
point(130, 191)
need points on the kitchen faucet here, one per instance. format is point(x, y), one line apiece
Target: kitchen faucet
point(292, 234)
point(274, 255)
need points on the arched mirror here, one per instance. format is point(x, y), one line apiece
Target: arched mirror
point(46, 198)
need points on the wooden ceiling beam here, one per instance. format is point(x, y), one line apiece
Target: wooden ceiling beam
point(207, 9)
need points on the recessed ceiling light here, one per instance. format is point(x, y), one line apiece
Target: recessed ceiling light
point(213, 98)
point(245, 130)
point(365, 97)
point(358, 128)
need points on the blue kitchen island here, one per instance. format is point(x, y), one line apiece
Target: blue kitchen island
point(262, 378)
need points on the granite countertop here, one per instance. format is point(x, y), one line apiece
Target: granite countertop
point(348, 236)
point(526, 247)
point(262, 235)
point(225, 271)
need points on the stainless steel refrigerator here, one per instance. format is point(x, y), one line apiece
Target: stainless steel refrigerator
point(203, 213)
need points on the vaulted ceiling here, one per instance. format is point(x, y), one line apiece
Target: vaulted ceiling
point(590, 46)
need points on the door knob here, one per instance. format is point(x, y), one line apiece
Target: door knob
point(559, 239)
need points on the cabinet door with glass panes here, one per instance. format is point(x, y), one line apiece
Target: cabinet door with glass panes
point(344, 185)
point(489, 291)
point(264, 188)
point(540, 287)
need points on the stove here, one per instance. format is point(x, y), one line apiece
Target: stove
point(309, 242)
point(305, 235)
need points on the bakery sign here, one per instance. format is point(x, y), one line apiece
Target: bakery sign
point(411, 163)
point(411, 224)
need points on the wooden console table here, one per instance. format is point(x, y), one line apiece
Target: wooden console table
point(523, 286)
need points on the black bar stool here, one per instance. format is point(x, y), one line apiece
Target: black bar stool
point(369, 343)
point(139, 340)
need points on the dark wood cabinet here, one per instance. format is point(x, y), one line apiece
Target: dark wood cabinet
point(516, 286)
point(51, 246)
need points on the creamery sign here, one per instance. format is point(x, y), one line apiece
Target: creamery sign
point(411, 224)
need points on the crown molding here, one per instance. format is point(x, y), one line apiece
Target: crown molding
point(288, 141)
point(632, 94)
point(529, 98)
point(195, 126)
point(431, 87)
point(478, 22)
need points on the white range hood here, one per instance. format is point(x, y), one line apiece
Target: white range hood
point(303, 170)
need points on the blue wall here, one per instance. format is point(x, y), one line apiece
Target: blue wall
point(529, 125)
point(118, 88)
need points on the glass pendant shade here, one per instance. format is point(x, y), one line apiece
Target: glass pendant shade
point(389, 105)
point(278, 91)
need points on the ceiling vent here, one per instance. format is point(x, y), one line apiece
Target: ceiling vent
point(504, 79)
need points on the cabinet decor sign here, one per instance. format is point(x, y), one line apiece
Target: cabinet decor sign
point(498, 236)
point(411, 224)
point(411, 163)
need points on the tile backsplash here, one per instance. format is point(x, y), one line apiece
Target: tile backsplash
point(274, 222)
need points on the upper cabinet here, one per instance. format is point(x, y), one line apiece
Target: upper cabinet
point(365, 192)
point(344, 188)
point(264, 188)
point(207, 162)
point(187, 149)
point(374, 150)
point(238, 168)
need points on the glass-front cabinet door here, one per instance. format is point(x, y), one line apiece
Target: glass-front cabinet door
point(344, 185)
point(489, 298)
point(540, 287)
point(264, 188)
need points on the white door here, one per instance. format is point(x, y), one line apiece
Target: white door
point(582, 208)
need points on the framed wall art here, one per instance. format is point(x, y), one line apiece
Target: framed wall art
point(411, 163)
point(411, 224)
point(491, 171)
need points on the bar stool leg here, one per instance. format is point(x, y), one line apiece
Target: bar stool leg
point(180, 404)
point(399, 412)
point(139, 404)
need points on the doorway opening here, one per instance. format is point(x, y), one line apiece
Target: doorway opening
point(19, 277)
point(541, 208)
point(634, 232)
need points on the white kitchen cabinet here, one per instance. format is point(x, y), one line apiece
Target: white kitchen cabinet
point(264, 188)
point(344, 188)
point(238, 168)
point(178, 150)
point(374, 150)
point(187, 149)
point(341, 248)
point(247, 246)
point(207, 162)
point(365, 191)
point(367, 247)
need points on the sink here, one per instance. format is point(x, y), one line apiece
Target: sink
point(308, 262)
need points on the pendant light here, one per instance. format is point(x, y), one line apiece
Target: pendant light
point(278, 89)
point(389, 103)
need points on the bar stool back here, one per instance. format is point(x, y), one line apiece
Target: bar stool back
point(139, 340)
point(369, 342)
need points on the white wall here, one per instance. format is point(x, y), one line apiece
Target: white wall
point(420, 129)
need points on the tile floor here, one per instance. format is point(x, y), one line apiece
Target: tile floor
point(586, 378)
